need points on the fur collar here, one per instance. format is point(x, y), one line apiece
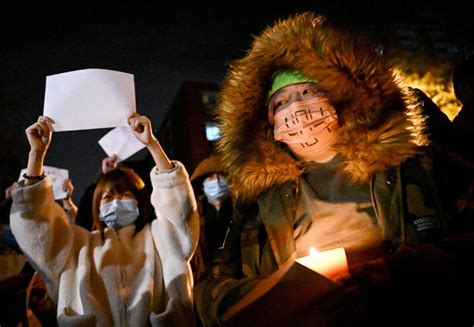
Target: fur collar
point(379, 126)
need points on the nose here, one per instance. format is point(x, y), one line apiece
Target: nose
point(295, 97)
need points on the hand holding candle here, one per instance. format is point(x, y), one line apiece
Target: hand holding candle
point(329, 263)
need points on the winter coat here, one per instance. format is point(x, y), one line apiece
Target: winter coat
point(381, 138)
point(118, 278)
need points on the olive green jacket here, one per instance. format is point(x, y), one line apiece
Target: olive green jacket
point(261, 235)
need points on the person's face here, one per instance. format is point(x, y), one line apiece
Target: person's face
point(215, 187)
point(111, 194)
point(284, 97)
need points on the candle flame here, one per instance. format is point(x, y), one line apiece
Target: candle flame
point(313, 251)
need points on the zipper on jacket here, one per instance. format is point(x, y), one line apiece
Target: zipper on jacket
point(123, 290)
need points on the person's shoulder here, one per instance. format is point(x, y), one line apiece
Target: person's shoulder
point(286, 192)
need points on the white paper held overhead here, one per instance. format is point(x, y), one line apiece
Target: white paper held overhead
point(89, 98)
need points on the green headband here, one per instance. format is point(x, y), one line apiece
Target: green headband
point(284, 78)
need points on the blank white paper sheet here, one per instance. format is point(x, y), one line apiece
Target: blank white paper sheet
point(89, 99)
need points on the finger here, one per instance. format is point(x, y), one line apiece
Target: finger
point(137, 126)
point(132, 118)
point(139, 118)
point(35, 129)
point(46, 121)
point(46, 128)
point(142, 119)
point(131, 121)
point(46, 118)
point(145, 123)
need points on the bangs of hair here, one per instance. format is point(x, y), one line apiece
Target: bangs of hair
point(121, 179)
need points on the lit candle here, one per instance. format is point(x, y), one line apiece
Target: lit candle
point(327, 263)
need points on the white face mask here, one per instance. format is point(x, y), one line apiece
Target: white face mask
point(309, 127)
point(216, 189)
point(119, 213)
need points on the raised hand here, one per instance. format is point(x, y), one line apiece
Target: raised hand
point(39, 134)
point(141, 127)
point(68, 188)
point(109, 163)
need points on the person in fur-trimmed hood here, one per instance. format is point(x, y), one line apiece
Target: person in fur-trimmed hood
point(324, 148)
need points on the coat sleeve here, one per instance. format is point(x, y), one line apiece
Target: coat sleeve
point(177, 224)
point(224, 282)
point(175, 233)
point(42, 230)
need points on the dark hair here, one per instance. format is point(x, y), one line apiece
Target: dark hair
point(123, 179)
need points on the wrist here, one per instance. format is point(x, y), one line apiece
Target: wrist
point(36, 156)
point(37, 152)
point(34, 177)
point(153, 143)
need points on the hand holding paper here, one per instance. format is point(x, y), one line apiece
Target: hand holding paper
point(109, 163)
point(39, 134)
point(126, 140)
point(68, 188)
point(141, 128)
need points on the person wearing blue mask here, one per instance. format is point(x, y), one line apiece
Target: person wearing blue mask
point(216, 189)
point(215, 210)
point(131, 270)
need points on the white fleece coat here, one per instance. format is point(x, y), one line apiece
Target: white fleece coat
point(122, 279)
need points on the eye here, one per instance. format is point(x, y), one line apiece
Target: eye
point(279, 104)
point(312, 91)
point(128, 195)
point(106, 198)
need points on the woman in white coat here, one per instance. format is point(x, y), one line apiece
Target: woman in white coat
point(129, 271)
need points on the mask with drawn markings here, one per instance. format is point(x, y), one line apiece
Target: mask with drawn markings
point(309, 128)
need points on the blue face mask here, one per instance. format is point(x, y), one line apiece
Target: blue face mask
point(216, 189)
point(119, 213)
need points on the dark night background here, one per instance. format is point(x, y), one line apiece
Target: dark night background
point(163, 45)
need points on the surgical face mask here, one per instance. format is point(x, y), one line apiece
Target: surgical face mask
point(119, 213)
point(309, 128)
point(216, 189)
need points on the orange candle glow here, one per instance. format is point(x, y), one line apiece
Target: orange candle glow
point(327, 263)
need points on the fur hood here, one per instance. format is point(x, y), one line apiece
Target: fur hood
point(379, 126)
